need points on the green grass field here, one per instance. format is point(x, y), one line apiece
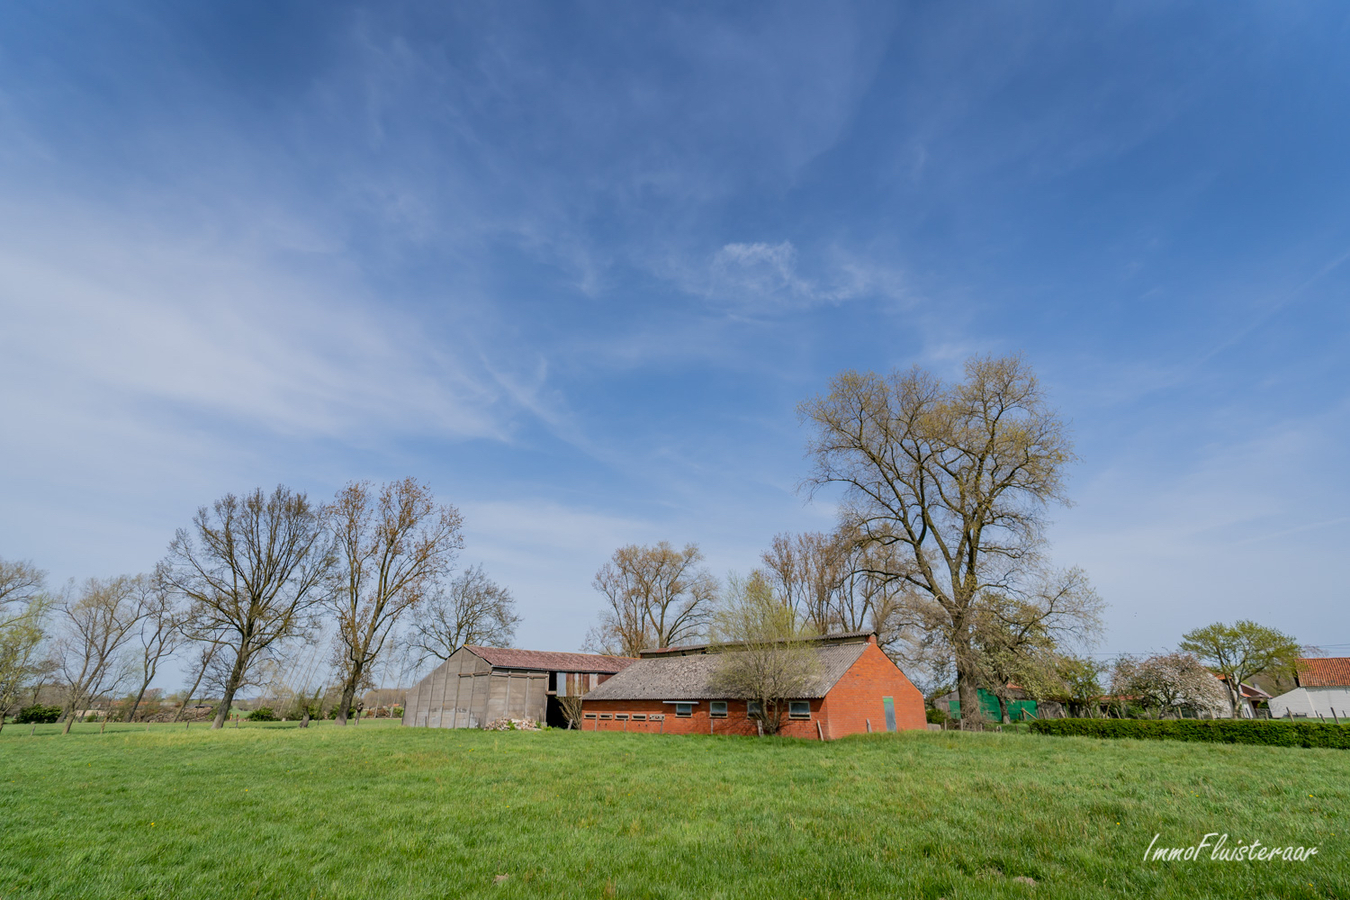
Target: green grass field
point(377, 810)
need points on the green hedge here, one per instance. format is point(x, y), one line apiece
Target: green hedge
point(1275, 732)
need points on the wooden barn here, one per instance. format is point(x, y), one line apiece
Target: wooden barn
point(478, 685)
point(857, 689)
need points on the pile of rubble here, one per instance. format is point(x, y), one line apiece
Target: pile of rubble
point(512, 725)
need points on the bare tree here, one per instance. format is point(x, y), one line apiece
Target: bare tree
point(1242, 651)
point(764, 657)
point(24, 605)
point(21, 585)
point(471, 609)
point(572, 709)
point(832, 582)
point(955, 477)
point(253, 567)
point(1017, 638)
point(208, 649)
point(160, 632)
point(657, 597)
point(808, 571)
point(392, 551)
point(97, 621)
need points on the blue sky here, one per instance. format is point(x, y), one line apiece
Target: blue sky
point(575, 265)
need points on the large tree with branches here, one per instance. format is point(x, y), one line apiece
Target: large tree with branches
point(393, 547)
point(254, 568)
point(1242, 651)
point(655, 597)
point(956, 477)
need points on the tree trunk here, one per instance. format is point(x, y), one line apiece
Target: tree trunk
point(967, 690)
point(232, 685)
point(1002, 709)
point(196, 684)
point(131, 716)
point(349, 691)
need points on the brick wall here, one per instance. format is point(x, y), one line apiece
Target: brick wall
point(856, 698)
point(737, 720)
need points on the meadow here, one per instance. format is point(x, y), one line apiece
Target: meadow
point(377, 810)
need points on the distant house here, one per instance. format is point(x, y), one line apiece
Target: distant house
point(1250, 695)
point(1323, 690)
point(857, 689)
point(478, 685)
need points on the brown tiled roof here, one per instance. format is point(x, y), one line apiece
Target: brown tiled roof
point(1249, 691)
point(1330, 671)
point(690, 677)
point(549, 661)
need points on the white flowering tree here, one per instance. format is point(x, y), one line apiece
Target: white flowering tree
point(1165, 684)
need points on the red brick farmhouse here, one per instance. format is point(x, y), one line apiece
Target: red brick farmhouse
point(858, 689)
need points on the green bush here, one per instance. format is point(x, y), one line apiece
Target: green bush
point(1273, 732)
point(396, 712)
point(936, 716)
point(39, 714)
point(262, 714)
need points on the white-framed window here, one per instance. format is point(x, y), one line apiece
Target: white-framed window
point(605, 715)
point(684, 710)
point(799, 709)
point(622, 717)
point(639, 717)
point(588, 715)
point(754, 709)
point(718, 709)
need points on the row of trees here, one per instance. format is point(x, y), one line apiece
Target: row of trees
point(253, 578)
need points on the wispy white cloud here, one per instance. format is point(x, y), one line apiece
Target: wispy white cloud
point(118, 315)
point(763, 278)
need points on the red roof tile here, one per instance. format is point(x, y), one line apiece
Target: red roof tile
point(1330, 671)
point(549, 661)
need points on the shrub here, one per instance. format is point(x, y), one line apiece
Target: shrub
point(38, 714)
point(1273, 732)
point(936, 716)
point(262, 714)
point(396, 712)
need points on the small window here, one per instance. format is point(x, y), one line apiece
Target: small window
point(656, 717)
point(588, 715)
point(684, 710)
point(639, 717)
point(754, 710)
point(718, 709)
point(799, 709)
point(605, 715)
point(621, 717)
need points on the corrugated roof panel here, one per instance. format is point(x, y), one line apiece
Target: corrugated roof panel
point(549, 661)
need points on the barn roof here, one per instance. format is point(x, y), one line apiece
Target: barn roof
point(548, 660)
point(1330, 671)
point(837, 637)
point(690, 677)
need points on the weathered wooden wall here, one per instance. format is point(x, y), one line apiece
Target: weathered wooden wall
point(466, 692)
